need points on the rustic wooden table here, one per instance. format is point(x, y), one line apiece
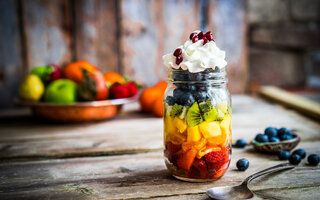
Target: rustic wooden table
point(122, 158)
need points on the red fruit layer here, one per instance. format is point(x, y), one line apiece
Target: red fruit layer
point(171, 150)
point(212, 165)
point(198, 169)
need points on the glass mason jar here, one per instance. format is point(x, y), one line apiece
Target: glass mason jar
point(197, 124)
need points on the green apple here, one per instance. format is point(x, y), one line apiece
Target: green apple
point(62, 91)
point(43, 72)
point(31, 88)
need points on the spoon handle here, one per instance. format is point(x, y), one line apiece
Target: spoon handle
point(268, 170)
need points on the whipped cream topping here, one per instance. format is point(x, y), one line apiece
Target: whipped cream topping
point(197, 57)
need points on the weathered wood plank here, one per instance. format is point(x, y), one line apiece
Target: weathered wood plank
point(48, 31)
point(96, 33)
point(228, 21)
point(133, 132)
point(140, 176)
point(151, 29)
point(11, 67)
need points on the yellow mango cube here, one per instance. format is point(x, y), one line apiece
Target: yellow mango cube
point(194, 134)
point(211, 129)
point(180, 124)
point(225, 125)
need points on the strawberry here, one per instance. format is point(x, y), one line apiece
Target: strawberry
point(215, 160)
point(132, 87)
point(198, 169)
point(170, 151)
point(118, 91)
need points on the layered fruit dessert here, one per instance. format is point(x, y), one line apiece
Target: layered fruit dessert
point(197, 111)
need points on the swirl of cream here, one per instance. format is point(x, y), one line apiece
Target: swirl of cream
point(197, 57)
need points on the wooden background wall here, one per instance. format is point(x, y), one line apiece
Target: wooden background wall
point(127, 36)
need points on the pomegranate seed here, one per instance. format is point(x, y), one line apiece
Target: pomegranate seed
point(205, 41)
point(179, 59)
point(200, 35)
point(194, 39)
point(209, 35)
point(192, 35)
point(177, 52)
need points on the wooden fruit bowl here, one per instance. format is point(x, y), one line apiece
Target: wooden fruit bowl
point(77, 112)
point(275, 147)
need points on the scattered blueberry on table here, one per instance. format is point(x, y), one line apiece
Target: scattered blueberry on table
point(241, 143)
point(242, 164)
point(294, 159)
point(300, 152)
point(284, 155)
point(313, 159)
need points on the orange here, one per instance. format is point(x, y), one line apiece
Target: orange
point(73, 70)
point(157, 107)
point(162, 86)
point(148, 96)
point(113, 77)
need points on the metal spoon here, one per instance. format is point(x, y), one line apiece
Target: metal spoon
point(242, 191)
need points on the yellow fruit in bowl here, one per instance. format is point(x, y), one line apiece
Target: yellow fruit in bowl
point(210, 129)
point(31, 88)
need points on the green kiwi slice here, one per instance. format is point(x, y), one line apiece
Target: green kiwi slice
point(194, 117)
point(209, 112)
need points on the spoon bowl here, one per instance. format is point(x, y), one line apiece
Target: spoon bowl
point(242, 191)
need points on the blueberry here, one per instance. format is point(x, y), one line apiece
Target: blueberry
point(186, 99)
point(200, 96)
point(313, 159)
point(283, 131)
point(262, 138)
point(270, 132)
point(241, 143)
point(242, 164)
point(177, 93)
point(300, 152)
point(286, 137)
point(170, 100)
point(284, 155)
point(274, 139)
point(294, 159)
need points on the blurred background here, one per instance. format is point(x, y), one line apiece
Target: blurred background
point(268, 42)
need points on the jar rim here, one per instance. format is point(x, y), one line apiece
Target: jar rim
point(217, 76)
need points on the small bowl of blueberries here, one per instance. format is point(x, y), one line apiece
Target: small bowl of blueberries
point(275, 140)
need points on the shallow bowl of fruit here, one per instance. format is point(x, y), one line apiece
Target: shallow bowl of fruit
point(282, 140)
point(77, 92)
point(77, 112)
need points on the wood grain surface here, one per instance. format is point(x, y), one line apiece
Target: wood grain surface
point(47, 32)
point(11, 59)
point(151, 29)
point(96, 33)
point(122, 158)
point(29, 138)
point(228, 21)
